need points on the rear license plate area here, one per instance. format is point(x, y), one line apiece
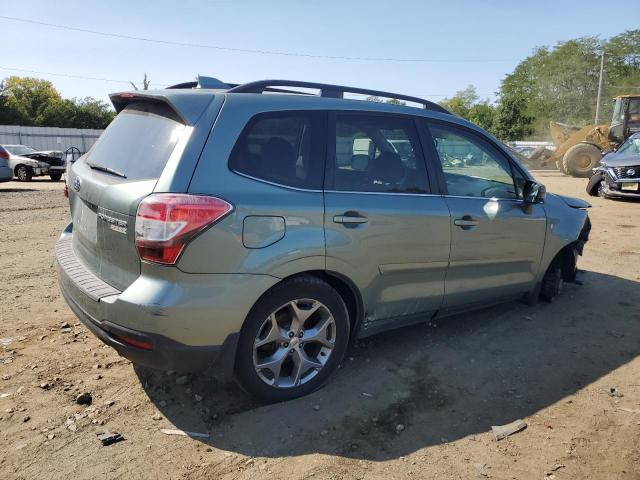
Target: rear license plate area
point(86, 223)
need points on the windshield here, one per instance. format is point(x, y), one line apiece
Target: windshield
point(632, 145)
point(138, 143)
point(618, 114)
point(19, 149)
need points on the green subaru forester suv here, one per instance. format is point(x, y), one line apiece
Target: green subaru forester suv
point(262, 227)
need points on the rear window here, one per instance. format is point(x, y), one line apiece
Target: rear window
point(286, 148)
point(139, 141)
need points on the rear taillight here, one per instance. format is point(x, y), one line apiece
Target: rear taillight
point(66, 190)
point(4, 154)
point(166, 222)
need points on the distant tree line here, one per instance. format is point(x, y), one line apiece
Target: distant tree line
point(556, 83)
point(35, 102)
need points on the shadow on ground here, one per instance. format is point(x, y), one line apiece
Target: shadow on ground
point(441, 382)
point(15, 190)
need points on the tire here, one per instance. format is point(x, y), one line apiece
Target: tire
point(306, 293)
point(24, 173)
point(581, 159)
point(594, 185)
point(560, 166)
point(55, 177)
point(551, 283)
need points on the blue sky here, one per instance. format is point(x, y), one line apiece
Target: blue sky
point(469, 42)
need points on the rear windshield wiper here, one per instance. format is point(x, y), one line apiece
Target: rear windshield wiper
point(102, 168)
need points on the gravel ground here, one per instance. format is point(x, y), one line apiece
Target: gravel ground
point(415, 403)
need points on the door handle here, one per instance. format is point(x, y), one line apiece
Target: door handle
point(465, 222)
point(350, 218)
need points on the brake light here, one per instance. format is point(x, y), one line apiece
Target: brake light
point(167, 222)
point(4, 154)
point(66, 190)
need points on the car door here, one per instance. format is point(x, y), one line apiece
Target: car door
point(496, 239)
point(384, 228)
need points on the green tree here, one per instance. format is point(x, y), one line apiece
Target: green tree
point(92, 113)
point(467, 104)
point(24, 99)
point(31, 101)
point(560, 83)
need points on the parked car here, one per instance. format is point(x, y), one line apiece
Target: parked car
point(618, 175)
point(6, 174)
point(226, 226)
point(27, 162)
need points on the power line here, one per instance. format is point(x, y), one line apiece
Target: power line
point(69, 75)
point(111, 80)
point(250, 50)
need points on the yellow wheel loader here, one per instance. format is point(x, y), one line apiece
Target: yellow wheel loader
point(579, 149)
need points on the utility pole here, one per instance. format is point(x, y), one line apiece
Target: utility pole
point(600, 82)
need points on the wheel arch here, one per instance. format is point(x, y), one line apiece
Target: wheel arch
point(345, 287)
point(15, 169)
point(566, 255)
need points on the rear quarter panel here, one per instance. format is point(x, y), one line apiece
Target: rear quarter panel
point(221, 248)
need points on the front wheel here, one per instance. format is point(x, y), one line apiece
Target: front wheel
point(581, 159)
point(292, 340)
point(56, 177)
point(551, 284)
point(24, 173)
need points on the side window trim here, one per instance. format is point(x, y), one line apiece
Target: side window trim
point(431, 158)
point(492, 147)
point(330, 162)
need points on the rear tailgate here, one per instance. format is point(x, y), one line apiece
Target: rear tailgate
point(107, 184)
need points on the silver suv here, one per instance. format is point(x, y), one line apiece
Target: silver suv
point(262, 229)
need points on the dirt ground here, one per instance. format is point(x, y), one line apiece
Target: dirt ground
point(415, 403)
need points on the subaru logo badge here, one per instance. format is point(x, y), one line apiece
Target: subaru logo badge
point(631, 172)
point(77, 183)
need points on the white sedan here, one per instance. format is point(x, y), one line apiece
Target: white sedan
point(26, 162)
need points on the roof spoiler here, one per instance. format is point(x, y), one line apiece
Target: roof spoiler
point(189, 108)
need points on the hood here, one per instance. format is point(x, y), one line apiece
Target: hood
point(44, 154)
point(572, 201)
point(620, 159)
point(24, 159)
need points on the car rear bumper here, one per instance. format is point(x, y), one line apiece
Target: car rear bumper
point(164, 354)
point(184, 322)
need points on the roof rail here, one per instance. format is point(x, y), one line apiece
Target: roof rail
point(331, 91)
point(214, 83)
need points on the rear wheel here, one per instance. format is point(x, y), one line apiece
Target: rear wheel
point(581, 159)
point(292, 340)
point(24, 173)
point(56, 177)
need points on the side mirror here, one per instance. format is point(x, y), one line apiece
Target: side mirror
point(534, 192)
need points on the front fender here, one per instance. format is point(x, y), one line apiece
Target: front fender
point(564, 225)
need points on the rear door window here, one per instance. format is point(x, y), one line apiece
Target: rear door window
point(139, 141)
point(377, 153)
point(286, 148)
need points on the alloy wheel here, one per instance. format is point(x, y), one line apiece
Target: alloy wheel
point(294, 343)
